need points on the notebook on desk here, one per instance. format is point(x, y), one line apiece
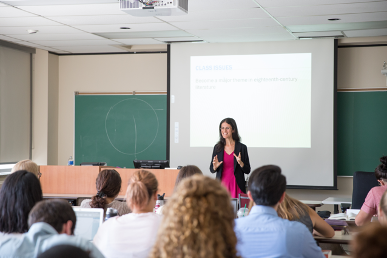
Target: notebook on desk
point(88, 222)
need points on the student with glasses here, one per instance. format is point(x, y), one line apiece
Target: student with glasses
point(230, 160)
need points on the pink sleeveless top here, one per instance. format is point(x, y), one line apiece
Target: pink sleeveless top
point(227, 178)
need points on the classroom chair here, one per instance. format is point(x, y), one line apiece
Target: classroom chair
point(362, 183)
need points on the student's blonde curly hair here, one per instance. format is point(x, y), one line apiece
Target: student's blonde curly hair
point(198, 222)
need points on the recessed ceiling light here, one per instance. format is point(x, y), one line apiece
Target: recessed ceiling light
point(32, 31)
point(125, 28)
point(334, 19)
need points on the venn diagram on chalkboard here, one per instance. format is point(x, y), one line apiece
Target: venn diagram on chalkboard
point(131, 126)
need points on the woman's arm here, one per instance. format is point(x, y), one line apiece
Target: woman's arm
point(363, 217)
point(319, 225)
point(211, 162)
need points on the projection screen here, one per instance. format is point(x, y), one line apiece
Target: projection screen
point(281, 95)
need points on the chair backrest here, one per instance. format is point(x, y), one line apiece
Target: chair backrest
point(242, 200)
point(362, 183)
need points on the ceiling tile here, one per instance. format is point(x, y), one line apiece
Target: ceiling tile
point(56, 2)
point(133, 26)
point(226, 24)
point(338, 26)
point(143, 41)
point(41, 30)
point(92, 49)
point(345, 18)
point(87, 9)
point(217, 5)
point(27, 21)
point(239, 32)
point(144, 34)
point(292, 11)
point(319, 34)
point(78, 36)
point(9, 38)
point(85, 42)
point(178, 39)
point(366, 33)
point(248, 38)
point(13, 12)
point(103, 19)
point(208, 15)
point(283, 3)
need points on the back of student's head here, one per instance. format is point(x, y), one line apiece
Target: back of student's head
point(267, 185)
point(27, 165)
point(64, 251)
point(187, 171)
point(141, 187)
point(198, 221)
point(108, 184)
point(292, 209)
point(381, 169)
point(19, 193)
point(53, 212)
point(371, 242)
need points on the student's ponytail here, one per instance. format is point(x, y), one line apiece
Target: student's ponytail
point(141, 187)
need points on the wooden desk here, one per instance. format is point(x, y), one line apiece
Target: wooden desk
point(338, 238)
point(80, 181)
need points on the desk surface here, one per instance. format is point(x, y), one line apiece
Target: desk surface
point(337, 200)
point(338, 238)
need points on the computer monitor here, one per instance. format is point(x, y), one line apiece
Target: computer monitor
point(88, 221)
point(151, 164)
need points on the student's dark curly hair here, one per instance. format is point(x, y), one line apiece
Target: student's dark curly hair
point(19, 193)
point(108, 184)
point(381, 170)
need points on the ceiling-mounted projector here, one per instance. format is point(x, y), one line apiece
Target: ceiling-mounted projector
point(154, 8)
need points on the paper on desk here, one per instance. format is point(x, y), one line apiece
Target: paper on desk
point(352, 213)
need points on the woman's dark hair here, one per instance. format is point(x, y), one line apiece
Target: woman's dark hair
point(235, 136)
point(18, 194)
point(108, 184)
point(187, 171)
point(267, 185)
point(381, 170)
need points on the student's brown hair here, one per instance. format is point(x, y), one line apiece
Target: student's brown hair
point(371, 242)
point(198, 222)
point(141, 187)
point(187, 171)
point(108, 184)
point(53, 212)
point(291, 208)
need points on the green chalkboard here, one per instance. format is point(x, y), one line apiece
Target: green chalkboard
point(118, 129)
point(361, 131)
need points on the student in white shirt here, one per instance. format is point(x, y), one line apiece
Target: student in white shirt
point(133, 234)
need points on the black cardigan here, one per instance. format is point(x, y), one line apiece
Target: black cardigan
point(238, 171)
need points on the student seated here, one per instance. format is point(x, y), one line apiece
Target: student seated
point(263, 233)
point(64, 251)
point(27, 165)
point(19, 193)
point(198, 222)
point(108, 185)
point(372, 200)
point(382, 211)
point(133, 234)
point(52, 223)
point(184, 172)
point(371, 242)
point(295, 210)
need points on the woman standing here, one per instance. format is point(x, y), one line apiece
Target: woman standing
point(230, 158)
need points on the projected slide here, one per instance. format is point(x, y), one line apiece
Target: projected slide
point(268, 95)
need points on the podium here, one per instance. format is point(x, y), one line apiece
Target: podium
point(80, 181)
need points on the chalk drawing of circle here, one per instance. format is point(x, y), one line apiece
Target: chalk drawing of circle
point(131, 126)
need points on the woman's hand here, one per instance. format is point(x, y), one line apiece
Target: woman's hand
point(216, 163)
point(238, 158)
